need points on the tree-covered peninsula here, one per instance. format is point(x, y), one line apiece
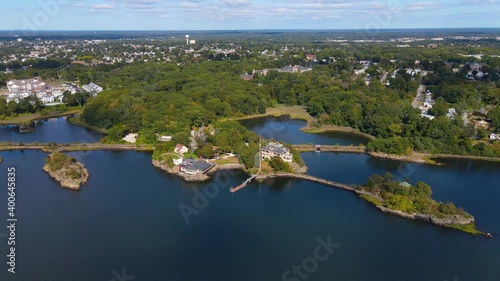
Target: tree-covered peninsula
point(414, 202)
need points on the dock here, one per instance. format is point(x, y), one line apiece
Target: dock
point(243, 185)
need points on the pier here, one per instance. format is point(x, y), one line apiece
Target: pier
point(343, 186)
point(244, 184)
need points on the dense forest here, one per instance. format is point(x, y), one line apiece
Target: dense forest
point(191, 91)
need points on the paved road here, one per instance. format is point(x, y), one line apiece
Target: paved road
point(418, 98)
point(384, 77)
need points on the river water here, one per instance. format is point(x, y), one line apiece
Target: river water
point(58, 130)
point(127, 220)
point(288, 130)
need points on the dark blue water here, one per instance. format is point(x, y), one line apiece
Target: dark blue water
point(128, 217)
point(57, 130)
point(288, 130)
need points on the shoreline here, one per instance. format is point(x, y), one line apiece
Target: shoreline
point(69, 183)
point(28, 118)
point(75, 120)
point(459, 223)
point(197, 177)
point(331, 128)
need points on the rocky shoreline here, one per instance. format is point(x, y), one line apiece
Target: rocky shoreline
point(67, 182)
point(446, 222)
point(196, 177)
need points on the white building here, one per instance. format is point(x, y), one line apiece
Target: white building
point(273, 149)
point(451, 113)
point(92, 88)
point(494, 137)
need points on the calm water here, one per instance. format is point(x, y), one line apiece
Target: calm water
point(288, 130)
point(57, 130)
point(128, 217)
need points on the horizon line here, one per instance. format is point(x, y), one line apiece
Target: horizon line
point(260, 29)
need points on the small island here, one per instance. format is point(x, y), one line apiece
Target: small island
point(70, 173)
point(415, 202)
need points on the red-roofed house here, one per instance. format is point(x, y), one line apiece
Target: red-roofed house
point(310, 57)
point(181, 149)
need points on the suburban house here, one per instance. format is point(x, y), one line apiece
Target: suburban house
point(92, 88)
point(21, 89)
point(451, 113)
point(71, 87)
point(131, 138)
point(311, 57)
point(246, 77)
point(192, 167)
point(26, 86)
point(181, 149)
point(273, 149)
point(165, 138)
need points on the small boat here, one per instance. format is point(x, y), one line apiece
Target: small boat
point(488, 235)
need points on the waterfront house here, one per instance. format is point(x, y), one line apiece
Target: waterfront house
point(273, 149)
point(181, 149)
point(131, 138)
point(192, 167)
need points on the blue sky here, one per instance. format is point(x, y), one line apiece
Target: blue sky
point(246, 14)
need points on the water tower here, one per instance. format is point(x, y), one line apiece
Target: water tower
point(187, 39)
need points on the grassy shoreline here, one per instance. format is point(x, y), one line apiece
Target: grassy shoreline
point(331, 128)
point(28, 118)
point(78, 122)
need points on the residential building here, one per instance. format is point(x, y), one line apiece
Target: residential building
point(92, 88)
point(192, 167)
point(494, 137)
point(26, 86)
point(273, 149)
point(165, 138)
point(311, 57)
point(181, 149)
point(451, 113)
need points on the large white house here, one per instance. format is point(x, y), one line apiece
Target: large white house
point(26, 86)
point(273, 149)
point(92, 88)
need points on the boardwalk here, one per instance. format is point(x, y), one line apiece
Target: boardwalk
point(346, 187)
point(75, 147)
point(244, 184)
point(330, 148)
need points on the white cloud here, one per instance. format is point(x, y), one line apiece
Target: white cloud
point(422, 6)
point(102, 7)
